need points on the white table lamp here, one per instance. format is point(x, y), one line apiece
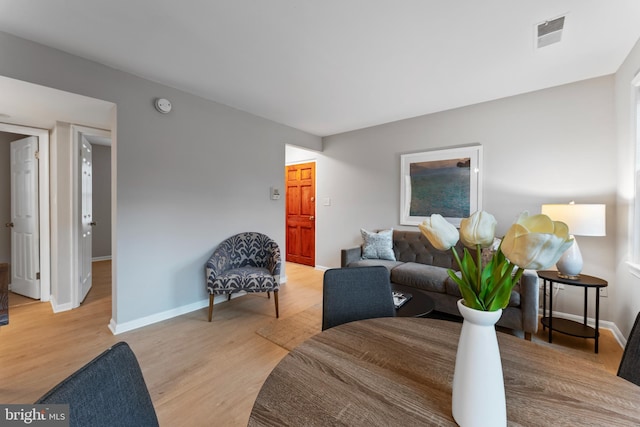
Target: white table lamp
point(582, 220)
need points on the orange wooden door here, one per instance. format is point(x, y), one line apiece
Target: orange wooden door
point(301, 210)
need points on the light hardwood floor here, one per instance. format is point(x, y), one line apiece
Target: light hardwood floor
point(198, 373)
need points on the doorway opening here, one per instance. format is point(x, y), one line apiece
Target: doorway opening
point(300, 184)
point(51, 123)
point(24, 240)
point(91, 153)
point(300, 209)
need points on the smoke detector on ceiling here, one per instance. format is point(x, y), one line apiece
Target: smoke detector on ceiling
point(549, 32)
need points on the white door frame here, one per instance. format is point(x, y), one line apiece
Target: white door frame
point(77, 133)
point(43, 202)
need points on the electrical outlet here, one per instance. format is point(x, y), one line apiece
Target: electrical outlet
point(603, 292)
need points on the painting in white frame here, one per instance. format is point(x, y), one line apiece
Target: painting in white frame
point(446, 182)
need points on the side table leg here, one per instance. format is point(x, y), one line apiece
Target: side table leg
point(585, 305)
point(544, 301)
point(597, 317)
point(551, 312)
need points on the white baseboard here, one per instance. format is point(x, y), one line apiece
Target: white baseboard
point(322, 268)
point(57, 308)
point(602, 324)
point(101, 258)
point(118, 328)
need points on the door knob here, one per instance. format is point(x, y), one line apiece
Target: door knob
point(311, 218)
point(92, 223)
point(9, 225)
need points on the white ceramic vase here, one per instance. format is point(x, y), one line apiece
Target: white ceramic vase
point(478, 387)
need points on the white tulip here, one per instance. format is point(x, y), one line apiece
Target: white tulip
point(536, 242)
point(478, 229)
point(441, 233)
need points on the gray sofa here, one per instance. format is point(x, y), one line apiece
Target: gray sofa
point(419, 265)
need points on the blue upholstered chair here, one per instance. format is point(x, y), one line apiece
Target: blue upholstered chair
point(629, 368)
point(247, 262)
point(109, 391)
point(356, 293)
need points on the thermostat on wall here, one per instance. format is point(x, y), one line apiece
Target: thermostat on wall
point(163, 105)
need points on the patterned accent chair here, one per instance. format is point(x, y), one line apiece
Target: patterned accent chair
point(247, 262)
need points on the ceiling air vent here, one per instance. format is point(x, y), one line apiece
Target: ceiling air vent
point(550, 32)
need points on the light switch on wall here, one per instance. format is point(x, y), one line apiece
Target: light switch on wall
point(327, 201)
point(275, 194)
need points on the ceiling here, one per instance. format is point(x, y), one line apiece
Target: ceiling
point(329, 66)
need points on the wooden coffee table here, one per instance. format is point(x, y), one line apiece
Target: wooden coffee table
point(419, 305)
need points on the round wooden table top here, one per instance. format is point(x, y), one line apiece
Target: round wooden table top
point(399, 371)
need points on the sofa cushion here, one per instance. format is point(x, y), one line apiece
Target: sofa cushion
point(378, 245)
point(369, 262)
point(413, 246)
point(453, 289)
point(421, 276)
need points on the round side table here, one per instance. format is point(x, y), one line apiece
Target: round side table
point(566, 326)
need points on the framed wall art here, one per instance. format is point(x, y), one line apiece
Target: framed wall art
point(446, 182)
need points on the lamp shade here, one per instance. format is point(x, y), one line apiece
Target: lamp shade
point(582, 219)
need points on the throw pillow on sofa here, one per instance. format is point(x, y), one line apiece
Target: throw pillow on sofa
point(378, 245)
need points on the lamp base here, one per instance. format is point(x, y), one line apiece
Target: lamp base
point(569, 276)
point(570, 263)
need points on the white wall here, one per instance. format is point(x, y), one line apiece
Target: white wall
point(626, 288)
point(299, 155)
point(185, 181)
point(553, 145)
point(61, 217)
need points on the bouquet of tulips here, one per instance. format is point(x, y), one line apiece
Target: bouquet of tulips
point(533, 242)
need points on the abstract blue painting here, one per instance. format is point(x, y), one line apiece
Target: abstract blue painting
point(445, 182)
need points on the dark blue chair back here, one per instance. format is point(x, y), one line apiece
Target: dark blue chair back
point(629, 368)
point(109, 391)
point(356, 293)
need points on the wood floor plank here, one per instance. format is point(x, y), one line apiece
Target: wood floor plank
point(198, 373)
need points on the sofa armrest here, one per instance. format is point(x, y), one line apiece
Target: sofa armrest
point(347, 256)
point(529, 300)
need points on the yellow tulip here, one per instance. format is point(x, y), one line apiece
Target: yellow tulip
point(478, 229)
point(441, 233)
point(536, 242)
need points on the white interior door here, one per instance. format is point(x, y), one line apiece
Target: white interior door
point(86, 217)
point(25, 241)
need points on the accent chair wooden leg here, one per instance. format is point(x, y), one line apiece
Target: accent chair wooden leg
point(527, 336)
point(268, 295)
point(275, 298)
point(210, 306)
point(229, 297)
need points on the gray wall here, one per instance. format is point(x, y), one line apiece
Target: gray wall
point(101, 241)
point(626, 288)
point(5, 194)
point(185, 181)
point(549, 146)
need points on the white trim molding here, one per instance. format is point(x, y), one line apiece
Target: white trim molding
point(118, 328)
